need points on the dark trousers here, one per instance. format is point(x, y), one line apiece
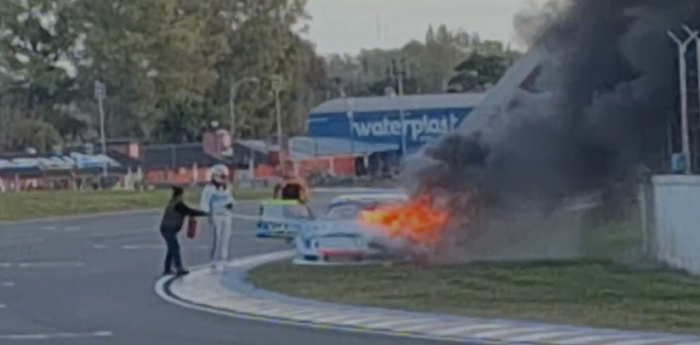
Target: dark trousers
point(172, 257)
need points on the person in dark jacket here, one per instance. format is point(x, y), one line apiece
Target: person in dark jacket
point(173, 219)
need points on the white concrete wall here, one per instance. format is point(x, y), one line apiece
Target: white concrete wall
point(675, 231)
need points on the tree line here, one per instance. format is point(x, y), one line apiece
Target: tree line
point(445, 61)
point(169, 67)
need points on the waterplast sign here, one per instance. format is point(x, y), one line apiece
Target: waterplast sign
point(58, 162)
point(419, 129)
point(384, 127)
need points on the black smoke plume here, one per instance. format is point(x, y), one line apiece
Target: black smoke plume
point(611, 74)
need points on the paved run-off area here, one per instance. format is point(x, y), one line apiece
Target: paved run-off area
point(89, 281)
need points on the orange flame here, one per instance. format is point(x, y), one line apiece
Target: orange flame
point(417, 220)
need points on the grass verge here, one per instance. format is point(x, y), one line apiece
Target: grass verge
point(612, 241)
point(28, 205)
point(589, 293)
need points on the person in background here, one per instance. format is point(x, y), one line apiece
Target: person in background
point(170, 226)
point(291, 187)
point(218, 201)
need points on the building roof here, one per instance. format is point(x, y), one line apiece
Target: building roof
point(264, 147)
point(333, 146)
point(177, 156)
point(306, 147)
point(411, 102)
point(26, 164)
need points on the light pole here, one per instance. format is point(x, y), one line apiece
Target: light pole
point(683, 76)
point(232, 101)
point(399, 73)
point(351, 121)
point(277, 84)
point(695, 35)
point(100, 94)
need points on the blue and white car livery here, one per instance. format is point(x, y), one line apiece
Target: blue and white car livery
point(282, 219)
point(341, 237)
point(338, 241)
point(362, 198)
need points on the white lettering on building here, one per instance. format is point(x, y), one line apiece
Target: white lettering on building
point(415, 128)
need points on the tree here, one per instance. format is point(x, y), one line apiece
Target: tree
point(37, 42)
point(32, 133)
point(150, 54)
point(483, 68)
point(186, 120)
point(168, 66)
point(264, 46)
point(477, 73)
point(430, 63)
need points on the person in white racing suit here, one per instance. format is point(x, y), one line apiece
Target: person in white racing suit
point(218, 202)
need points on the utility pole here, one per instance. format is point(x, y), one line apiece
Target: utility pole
point(351, 121)
point(235, 86)
point(100, 94)
point(277, 85)
point(693, 129)
point(683, 84)
point(397, 74)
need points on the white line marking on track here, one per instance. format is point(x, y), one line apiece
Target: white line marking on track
point(462, 329)
point(41, 264)
point(158, 246)
point(403, 322)
point(592, 339)
point(50, 336)
point(118, 234)
point(540, 336)
point(145, 246)
point(641, 341)
point(504, 332)
point(7, 284)
point(3, 306)
point(22, 242)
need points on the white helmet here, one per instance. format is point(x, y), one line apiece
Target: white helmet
point(219, 172)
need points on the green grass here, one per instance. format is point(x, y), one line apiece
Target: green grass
point(28, 205)
point(582, 293)
point(613, 240)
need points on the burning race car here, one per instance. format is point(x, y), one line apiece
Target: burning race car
point(345, 237)
point(370, 196)
point(282, 219)
point(340, 242)
point(346, 207)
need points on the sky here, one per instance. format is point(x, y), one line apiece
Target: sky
point(347, 26)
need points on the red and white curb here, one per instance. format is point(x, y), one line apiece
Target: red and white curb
point(202, 290)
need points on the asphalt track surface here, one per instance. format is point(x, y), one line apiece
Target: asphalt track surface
point(90, 282)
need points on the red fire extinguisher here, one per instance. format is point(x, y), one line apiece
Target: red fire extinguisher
point(191, 227)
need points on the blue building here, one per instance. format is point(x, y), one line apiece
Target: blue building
point(378, 119)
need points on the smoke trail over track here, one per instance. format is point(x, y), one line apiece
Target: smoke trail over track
point(610, 72)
